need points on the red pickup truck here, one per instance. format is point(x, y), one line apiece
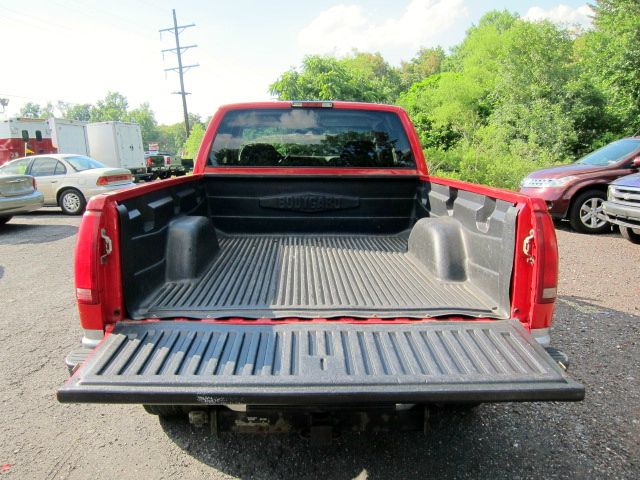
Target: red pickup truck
point(311, 274)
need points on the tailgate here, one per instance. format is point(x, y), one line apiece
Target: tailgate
point(183, 362)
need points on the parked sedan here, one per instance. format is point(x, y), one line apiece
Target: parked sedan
point(577, 191)
point(68, 180)
point(18, 194)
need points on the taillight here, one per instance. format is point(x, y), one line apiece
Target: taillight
point(106, 180)
point(86, 258)
point(149, 162)
point(33, 182)
point(547, 259)
point(544, 279)
point(86, 265)
point(86, 295)
point(168, 160)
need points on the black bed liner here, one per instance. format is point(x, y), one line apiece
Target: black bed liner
point(253, 247)
point(275, 276)
point(189, 362)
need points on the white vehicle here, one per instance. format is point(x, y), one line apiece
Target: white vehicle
point(118, 144)
point(69, 181)
point(23, 136)
point(69, 136)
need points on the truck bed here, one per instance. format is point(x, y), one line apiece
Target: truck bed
point(263, 247)
point(308, 275)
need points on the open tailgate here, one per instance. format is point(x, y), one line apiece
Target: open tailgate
point(184, 362)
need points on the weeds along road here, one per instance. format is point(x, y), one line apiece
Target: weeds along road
point(597, 324)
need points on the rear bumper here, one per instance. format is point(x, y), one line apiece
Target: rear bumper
point(141, 173)
point(21, 204)
point(195, 363)
point(624, 215)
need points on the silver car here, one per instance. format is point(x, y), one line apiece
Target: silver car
point(18, 194)
point(68, 180)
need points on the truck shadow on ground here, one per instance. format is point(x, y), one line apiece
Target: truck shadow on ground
point(494, 441)
point(19, 234)
point(510, 440)
point(16, 232)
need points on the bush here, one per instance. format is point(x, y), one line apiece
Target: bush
point(476, 165)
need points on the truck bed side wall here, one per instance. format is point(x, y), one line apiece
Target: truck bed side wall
point(489, 235)
point(144, 223)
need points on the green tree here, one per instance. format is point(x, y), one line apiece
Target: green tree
point(535, 61)
point(171, 138)
point(427, 62)
point(112, 107)
point(144, 116)
point(454, 104)
point(191, 146)
point(479, 53)
point(80, 111)
point(34, 110)
point(610, 57)
point(509, 101)
point(531, 105)
point(373, 75)
point(329, 78)
point(319, 78)
point(30, 110)
point(195, 118)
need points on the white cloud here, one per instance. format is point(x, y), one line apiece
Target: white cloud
point(342, 28)
point(562, 14)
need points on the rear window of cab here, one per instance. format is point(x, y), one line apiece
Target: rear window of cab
point(311, 138)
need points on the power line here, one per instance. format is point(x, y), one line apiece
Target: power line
point(82, 10)
point(39, 98)
point(134, 26)
point(152, 5)
point(33, 21)
point(181, 69)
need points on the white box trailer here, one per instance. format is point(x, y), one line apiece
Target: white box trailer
point(118, 144)
point(69, 136)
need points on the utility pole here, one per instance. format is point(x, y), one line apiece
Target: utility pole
point(181, 69)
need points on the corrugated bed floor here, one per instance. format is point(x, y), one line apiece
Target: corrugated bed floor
point(274, 276)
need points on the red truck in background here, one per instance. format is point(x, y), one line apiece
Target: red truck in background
point(312, 274)
point(20, 137)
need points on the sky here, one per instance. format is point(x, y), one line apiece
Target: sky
point(77, 50)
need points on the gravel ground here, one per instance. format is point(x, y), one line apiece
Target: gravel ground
point(597, 324)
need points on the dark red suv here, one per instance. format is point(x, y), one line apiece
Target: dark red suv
point(576, 191)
